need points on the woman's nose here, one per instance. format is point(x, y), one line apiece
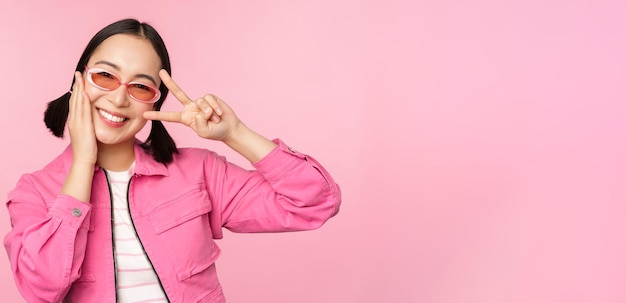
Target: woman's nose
point(119, 96)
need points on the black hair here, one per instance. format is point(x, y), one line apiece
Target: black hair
point(159, 143)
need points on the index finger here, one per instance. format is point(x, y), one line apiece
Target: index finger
point(174, 88)
point(163, 116)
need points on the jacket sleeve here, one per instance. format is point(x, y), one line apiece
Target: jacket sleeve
point(46, 245)
point(288, 191)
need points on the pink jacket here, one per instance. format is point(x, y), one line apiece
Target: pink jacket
point(61, 249)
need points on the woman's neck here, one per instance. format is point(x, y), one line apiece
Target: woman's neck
point(118, 157)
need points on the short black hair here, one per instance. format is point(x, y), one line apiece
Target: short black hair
point(159, 143)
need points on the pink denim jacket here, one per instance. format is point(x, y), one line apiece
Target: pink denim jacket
point(61, 249)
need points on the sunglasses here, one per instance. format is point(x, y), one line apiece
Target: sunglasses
point(107, 81)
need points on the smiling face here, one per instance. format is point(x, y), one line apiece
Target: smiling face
point(117, 117)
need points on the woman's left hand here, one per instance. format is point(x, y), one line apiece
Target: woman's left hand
point(209, 116)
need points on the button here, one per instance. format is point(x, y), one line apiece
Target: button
point(76, 212)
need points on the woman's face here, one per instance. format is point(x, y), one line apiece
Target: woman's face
point(117, 117)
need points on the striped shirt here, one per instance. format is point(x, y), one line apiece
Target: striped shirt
point(136, 279)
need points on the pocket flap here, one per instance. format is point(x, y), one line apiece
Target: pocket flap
point(174, 211)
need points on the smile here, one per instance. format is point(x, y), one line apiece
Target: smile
point(111, 117)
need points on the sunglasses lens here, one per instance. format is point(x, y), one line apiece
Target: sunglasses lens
point(142, 92)
point(105, 80)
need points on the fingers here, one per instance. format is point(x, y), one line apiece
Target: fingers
point(174, 88)
point(210, 107)
point(80, 124)
point(79, 102)
point(75, 93)
point(163, 116)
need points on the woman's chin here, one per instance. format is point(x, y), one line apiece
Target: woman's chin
point(107, 139)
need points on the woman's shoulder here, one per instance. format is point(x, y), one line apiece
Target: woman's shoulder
point(46, 179)
point(58, 165)
point(190, 162)
point(194, 153)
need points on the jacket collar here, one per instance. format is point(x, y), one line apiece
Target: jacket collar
point(144, 163)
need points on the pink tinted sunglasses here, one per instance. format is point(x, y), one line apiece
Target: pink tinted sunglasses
point(107, 81)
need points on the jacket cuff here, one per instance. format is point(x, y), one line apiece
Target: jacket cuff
point(72, 212)
point(280, 160)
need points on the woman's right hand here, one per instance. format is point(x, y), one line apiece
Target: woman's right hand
point(84, 147)
point(80, 125)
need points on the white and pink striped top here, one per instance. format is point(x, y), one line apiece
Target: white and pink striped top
point(136, 279)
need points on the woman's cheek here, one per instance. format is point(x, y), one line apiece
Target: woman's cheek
point(92, 93)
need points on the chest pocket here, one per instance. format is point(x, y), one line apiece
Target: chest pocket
point(189, 204)
point(182, 222)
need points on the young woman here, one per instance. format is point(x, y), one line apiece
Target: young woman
point(116, 219)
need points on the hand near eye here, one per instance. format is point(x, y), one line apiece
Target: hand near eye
point(209, 116)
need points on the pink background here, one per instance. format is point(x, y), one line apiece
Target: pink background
point(479, 144)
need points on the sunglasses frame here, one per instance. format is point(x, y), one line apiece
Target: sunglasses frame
point(91, 70)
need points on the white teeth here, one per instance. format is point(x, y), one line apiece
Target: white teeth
point(111, 117)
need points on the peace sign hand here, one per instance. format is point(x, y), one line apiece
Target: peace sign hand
point(209, 116)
